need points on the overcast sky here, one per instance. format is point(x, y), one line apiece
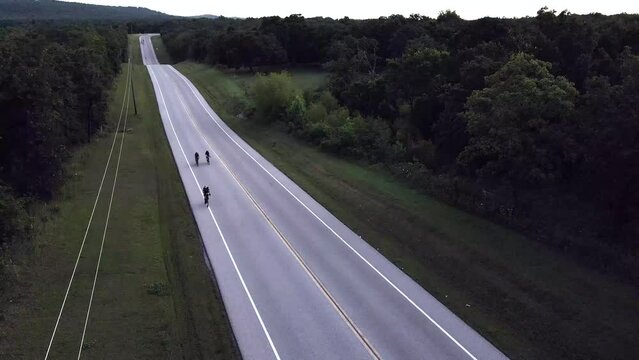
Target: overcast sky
point(358, 9)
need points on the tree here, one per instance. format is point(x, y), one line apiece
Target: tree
point(520, 125)
point(54, 86)
point(403, 36)
point(611, 135)
point(416, 79)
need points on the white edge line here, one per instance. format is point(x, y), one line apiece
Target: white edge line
point(228, 250)
point(325, 224)
point(77, 260)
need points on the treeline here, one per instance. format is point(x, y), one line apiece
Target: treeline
point(54, 86)
point(251, 42)
point(29, 10)
point(532, 122)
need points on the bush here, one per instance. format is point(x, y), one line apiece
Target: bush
point(380, 138)
point(316, 113)
point(273, 95)
point(158, 289)
point(424, 151)
point(15, 227)
point(338, 135)
point(314, 126)
point(317, 131)
point(295, 112)
point(15, 223)
point(328, 101)
point(339, 131)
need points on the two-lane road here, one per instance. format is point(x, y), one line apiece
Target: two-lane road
point(296, 282)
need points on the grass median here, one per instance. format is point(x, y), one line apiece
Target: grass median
point(529, 300)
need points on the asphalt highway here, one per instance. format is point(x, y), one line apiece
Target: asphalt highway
point(296, 282)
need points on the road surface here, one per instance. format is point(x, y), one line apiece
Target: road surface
point(296, 282)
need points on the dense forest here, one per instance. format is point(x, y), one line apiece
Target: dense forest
point(20, 10)
point(54, 87)
point(531, 122)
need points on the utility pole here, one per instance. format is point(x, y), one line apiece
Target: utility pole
point(135, 107)
point(89, 123)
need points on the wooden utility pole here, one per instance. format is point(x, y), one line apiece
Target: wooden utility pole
point(89, 122)
point(135, 107)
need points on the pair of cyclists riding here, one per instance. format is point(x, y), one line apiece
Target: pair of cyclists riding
point(208, 158)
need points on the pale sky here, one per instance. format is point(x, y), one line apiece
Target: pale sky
point(359, 9)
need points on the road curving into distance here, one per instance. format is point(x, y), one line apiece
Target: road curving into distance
point(296, 282)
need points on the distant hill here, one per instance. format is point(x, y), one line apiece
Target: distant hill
point(20, 10)
point(206, 16)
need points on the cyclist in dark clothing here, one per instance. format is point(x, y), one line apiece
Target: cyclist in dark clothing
point(197, 159)
point(207, 193)
point(208, 162)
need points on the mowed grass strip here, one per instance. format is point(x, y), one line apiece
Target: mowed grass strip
point(127, 320)
point(530, 301)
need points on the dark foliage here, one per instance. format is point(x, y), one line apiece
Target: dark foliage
point(54, 85)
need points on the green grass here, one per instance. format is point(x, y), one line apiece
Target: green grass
point(160, 50)
point(238, 83)
point(154, 296)
point(307, 78)
point(530, 301)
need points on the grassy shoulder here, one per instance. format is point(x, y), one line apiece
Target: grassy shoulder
point(154, 296)
point(236, 84)
point(528, 300)
point(160, 50)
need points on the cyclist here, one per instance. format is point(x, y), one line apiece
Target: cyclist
point(197, 159)
point(207, 193)
point(208, 162)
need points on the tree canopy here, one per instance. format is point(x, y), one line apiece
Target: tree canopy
point(520, 125)
point(54, 88)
